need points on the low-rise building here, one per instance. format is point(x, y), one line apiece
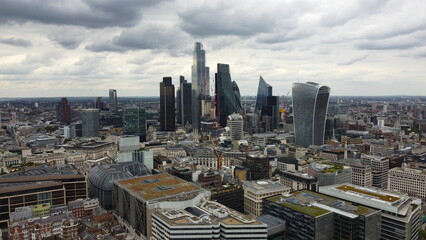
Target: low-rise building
point(330, 173)
point(408, 180)
point(298, 181)
point(256, 191)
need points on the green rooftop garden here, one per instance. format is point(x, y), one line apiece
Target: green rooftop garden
point(333, 168)
point(311, 211)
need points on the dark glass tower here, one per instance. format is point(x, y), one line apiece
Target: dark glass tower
point(64, 111)
point(271, 109)
point(200, 85)
point(310, 102)
point(135, 122)
point(113, 99)
point(263, 91)
point(225, 98)
point(90, 122)
point(167, 105)
point(237, 96)
point(184, 100)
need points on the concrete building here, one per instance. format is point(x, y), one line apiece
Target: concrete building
point(400, 214)
point(90, 122)
point(298, 181)
point(330, 173)
point(235, 124)
point(408, 180)
point(362, 175)
point(113, 99)
point(256, 191)
point(259, 166)
point(209, 220)
point(311, 215)
point(380, 167)
point(135, 200)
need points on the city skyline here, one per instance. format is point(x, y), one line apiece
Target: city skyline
point(84, 48)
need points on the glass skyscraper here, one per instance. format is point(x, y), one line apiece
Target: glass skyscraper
point(184, 100)
point(200, 84)
point(167, 105)
point(135, 122)
point(263, 91)
point(113, 99)
point(226, 103)
point(237, 96)
point(90, 122)
point(310, 102)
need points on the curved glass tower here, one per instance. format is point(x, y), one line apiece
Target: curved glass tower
point(263, 91)
point(225, 97)
point(310, 102)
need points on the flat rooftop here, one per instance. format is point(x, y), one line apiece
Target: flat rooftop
point(371, 197)
point(207, 213)
point(158, 186)
point(41, 173)
point(265, 186)
point(316, 204)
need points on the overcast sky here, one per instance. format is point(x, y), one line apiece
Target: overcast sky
point(85, 47)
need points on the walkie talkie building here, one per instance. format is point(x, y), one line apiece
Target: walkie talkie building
point(310, 102)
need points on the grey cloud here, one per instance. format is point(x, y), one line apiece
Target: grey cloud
point(149, 36)
point(16, 42)
point(67, 39)
point(223, 18)
point(88, 13)
point(285, 36)
point(387, 45)
point(354, 60)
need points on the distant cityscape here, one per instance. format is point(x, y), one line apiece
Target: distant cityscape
point(205, 161)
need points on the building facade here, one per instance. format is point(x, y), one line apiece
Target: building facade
point(90, 122)
point(135, 122)
point(225, 98)
point(263, 91)
point(113, 99)
point(310, 102)
point(167, 105)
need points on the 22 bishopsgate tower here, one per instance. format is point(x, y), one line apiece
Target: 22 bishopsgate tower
point(310, 102)
point(200, 85)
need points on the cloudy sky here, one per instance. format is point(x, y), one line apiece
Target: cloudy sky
point(85, 47)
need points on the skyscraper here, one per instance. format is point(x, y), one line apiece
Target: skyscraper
point(200, 84)
point(135, 122)
point(271, 109)
point(264, 90)
point(113, 99)
point(90, 122)
point(64, 111)
point(167, 105)
point(310, 101)
point(225, 98)
point(237, 96)
point(184, 100)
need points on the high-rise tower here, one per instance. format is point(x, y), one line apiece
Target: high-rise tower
point(113, 99)
point(167, 105)
point(184, 100)
point(90, 122)
point(226, 102)
point(200, 85)
point(310, 102)
point(263, 91)
point(135, 122)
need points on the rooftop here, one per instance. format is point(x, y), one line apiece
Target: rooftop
point(158, 186)
point(264, 186)
point(365, 191)
point(316, 204)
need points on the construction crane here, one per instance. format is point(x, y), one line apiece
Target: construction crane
point(217, 153)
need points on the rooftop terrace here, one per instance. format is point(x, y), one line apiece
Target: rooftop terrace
point(381, 196)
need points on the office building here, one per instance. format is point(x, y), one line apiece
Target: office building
point(42, 184)
point(400, 214)
point(362, 175)
point(235, 123)
point(310, 215)
point(135, 200)
point(64, 111)
point(310, 102)
point(232, 197)
point(200, 85)
point(298, 181)
point(127, 145)
point(256, 191)
point(224, 94)
point(237, 95)
point(408, 180)
point(209, 220)
point(270, 113)
point(113, 99)
point(184, 102)
point(259, 166)
point(135, 122)
point(263, 91)
point(330, 173)
point(90, 122)
point(98, 103)
point(101, 177)
point(167, 105)
point(379, 167)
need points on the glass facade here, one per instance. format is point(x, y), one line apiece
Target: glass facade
point(200, 84)
point(113, 99)
point(135, 122)
point(90, 122)
point(167, 105)
point(237, 96)
point(184, 102)
point(263, 91)
point(310, 102)
point(225, 98)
